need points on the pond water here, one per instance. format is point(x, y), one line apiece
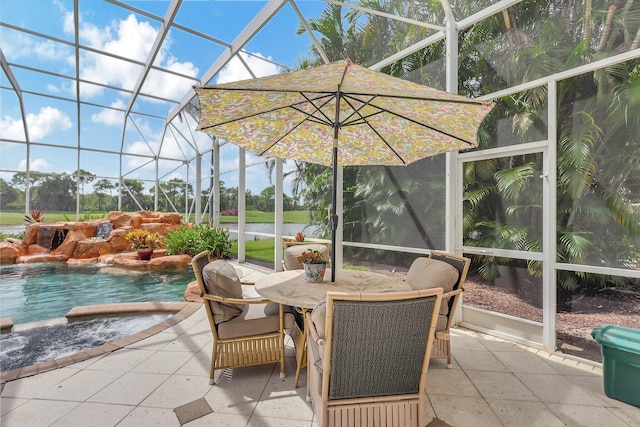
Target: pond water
point(35, 292)
point(12, 229)
point(287, 230)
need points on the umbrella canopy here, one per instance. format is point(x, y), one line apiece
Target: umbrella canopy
point(340, 114)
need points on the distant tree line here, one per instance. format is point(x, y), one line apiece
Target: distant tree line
point(57, 192)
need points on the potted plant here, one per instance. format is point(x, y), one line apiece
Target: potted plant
point(315, 265)
point(144, 242)
point(300, 236)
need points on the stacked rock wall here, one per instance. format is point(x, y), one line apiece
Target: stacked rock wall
point(80, 243)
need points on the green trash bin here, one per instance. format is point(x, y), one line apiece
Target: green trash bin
point(620, 362)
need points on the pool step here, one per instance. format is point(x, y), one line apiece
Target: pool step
point(6, 325)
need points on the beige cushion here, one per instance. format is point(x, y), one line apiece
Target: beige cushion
point(254, 321)
point(427, 273)
point(319, 318)
point(292, 253)
point(221, 279)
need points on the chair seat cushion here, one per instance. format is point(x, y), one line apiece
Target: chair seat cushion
point(254, 321)
point(292, 253)
point(221, 279)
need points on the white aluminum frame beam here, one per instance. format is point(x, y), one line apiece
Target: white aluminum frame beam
point(266, 13)
point(18, 91)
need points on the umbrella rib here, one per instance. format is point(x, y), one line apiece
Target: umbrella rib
point(327, 120)
point(384, 110)
point(459, 100)
point(356, 111)
point(259, 113)
point(419, 98)
point(360, 119)
point(310, 117)
point(281, 138)
point(377, 95)
point(424, 125)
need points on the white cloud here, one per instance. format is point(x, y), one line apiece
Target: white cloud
point(131, 39)
point(235, 69)
point(19, 45)
point(11, 128)
point(47, 121)
point(110, 117)
point(173, 175)
point(257, 177)
point(141, 147)
point(170, 149)
point(40, 165)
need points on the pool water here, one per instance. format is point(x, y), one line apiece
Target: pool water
point(35, 292)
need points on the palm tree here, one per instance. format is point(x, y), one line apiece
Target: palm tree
point(100, 186)
point(598, 149)
point(598, 157)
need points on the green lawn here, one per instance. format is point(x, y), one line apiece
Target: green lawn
point(289, 217)
point(256, 249)
point(263, 250)
point(17, 218)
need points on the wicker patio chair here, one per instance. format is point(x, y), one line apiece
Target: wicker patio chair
point(246, 332)
point(448, 271)
point(368, 357)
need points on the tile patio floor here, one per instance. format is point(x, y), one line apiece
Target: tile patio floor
point(163, 380)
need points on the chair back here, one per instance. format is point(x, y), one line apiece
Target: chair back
point(292, 250)
point(198, 263)
point(379, 343)
point(459, 263)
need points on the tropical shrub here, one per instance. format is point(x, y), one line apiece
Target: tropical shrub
point(143, 239)
point(191, 240)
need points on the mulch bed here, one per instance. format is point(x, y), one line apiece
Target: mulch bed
point(573, 327)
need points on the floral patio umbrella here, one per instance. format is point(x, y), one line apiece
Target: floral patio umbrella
point(340, 114)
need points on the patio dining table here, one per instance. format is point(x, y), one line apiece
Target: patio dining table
point(292, 288)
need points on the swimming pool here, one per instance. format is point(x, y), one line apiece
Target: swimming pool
point(36, 292)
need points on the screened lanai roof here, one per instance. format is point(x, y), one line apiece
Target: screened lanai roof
point(107, 86)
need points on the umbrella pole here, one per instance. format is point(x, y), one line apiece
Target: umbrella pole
point(334, 215)
point(334, 192)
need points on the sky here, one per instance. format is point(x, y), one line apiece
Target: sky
point(122, 33)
